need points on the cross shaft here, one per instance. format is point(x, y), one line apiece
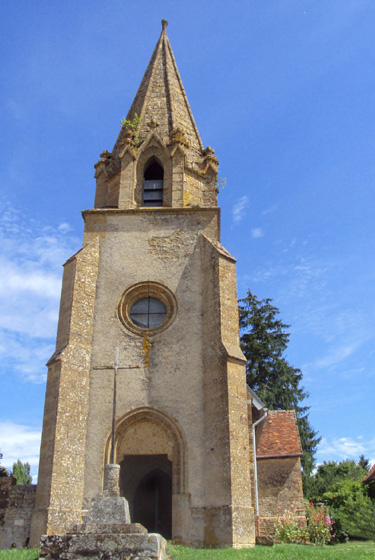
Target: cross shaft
point(116, 366)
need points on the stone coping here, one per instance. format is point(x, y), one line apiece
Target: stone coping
point(103, 528)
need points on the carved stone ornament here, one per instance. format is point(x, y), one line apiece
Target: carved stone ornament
point(209, 156)
point(153, 123)
point(105, 158)
point(179, 137)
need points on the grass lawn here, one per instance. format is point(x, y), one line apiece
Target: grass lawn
point(19, 554)
point(354, 550)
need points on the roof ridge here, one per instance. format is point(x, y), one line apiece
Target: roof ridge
point(149, 70)
point(187, 105)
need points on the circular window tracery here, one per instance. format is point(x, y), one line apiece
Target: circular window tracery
point(148, 313)
point(147, 308)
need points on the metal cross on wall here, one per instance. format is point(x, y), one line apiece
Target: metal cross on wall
point(116, 366)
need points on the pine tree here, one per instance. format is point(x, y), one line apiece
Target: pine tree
point(264, 339)
point(21, 471)
point(3, 470)
point(364, 463)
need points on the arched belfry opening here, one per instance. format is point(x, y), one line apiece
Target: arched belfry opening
point(153, 183)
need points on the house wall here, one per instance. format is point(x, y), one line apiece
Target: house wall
point(16, 506)
point(280, 488)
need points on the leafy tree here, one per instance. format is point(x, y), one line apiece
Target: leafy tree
point(21, 471)
point(330, 474)
point(3, 470)
point(264, 340)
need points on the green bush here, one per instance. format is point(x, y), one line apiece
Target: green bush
point(352, 509)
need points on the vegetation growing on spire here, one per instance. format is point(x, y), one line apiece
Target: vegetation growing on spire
point(132, 128)
point(220, 183)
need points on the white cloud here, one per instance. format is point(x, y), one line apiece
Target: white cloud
point(30, 286)
point(256, 232)
point(20, 442)
point(27, 277)
point(269, 210)
point(65, 227)
point(336, 356)
point(346, 448)
point(307, 285)
point(239, 209)
point(25, 356)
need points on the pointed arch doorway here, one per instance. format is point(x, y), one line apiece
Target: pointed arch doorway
point(151, 450)
point(146, 482)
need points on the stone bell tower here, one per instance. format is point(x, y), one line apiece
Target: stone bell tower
point(152, 280)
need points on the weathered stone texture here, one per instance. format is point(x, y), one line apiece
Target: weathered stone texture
point(60, 489)
point(167, 132)
point(225, 405)
point(16, 506)
point(113, 546)
point(106, 532)
point(164, 100)
point(280, 488)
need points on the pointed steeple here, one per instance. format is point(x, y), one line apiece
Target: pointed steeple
point(159, 128)
point(161, 100)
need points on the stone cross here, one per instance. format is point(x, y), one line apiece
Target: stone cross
point(106, 531)
point(116, 366)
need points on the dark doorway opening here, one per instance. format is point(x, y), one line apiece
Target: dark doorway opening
point(153, 503)
point(146, 482)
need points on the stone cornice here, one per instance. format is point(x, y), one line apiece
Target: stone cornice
point(150, 211)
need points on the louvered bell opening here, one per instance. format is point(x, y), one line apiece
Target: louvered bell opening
point(153, 185)
point(153, 192)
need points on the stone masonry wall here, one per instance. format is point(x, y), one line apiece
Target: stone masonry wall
point(16, 507)
point(280, 488)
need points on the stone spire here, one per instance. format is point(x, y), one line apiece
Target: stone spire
point(160, 127)
point(161, 101)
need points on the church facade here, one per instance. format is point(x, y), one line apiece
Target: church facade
point(151, 301)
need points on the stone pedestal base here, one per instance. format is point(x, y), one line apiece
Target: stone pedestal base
point(106, 532)
point(104, 546)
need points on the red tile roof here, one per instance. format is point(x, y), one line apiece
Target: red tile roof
point(279, 437)
point(370, 475)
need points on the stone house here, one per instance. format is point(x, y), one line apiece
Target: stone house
point(148, 370)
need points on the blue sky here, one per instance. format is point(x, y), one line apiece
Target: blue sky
point(284, 92)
